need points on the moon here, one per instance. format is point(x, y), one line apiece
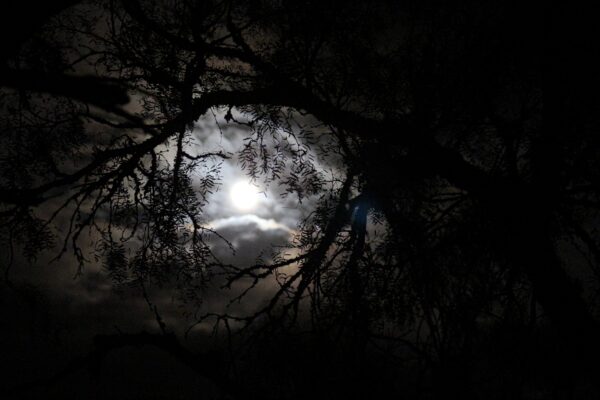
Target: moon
point(244, 196)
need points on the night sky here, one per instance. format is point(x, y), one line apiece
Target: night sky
point(57, 309)
point(298, 200)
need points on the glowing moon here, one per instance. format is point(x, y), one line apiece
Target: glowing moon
point(244, 196)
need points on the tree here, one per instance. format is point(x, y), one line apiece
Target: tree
point(454, 134)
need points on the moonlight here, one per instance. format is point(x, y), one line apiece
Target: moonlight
point(244, 196)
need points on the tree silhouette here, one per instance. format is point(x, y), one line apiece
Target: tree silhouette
point(465, 153)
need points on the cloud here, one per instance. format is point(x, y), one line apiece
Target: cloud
point(88, 304)
point(248, 220)
point(252, 237)
point(214, 135)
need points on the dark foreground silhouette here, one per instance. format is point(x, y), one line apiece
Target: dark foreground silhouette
point(447, 157)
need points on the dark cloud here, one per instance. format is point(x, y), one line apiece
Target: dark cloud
point(55, 312)
point(254, 240)
point(251, 237)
